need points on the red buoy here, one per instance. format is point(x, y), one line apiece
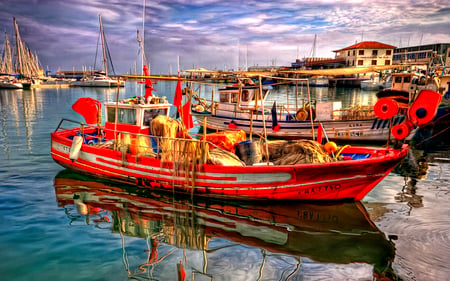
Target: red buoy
point(424, 107)
point(386, 108)
point(402, 130)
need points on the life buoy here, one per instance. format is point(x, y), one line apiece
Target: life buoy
point(386, 108)
point(301, 115)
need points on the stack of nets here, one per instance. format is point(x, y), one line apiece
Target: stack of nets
point(296, 152)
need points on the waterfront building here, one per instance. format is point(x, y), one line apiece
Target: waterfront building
point(366, 54)
point(437, 54)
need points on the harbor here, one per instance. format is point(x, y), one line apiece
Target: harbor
point(402, 211)
point(237, 141)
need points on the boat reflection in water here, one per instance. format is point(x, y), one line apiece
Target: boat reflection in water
point(232, 240)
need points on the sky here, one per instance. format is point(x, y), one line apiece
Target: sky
point(213, 34)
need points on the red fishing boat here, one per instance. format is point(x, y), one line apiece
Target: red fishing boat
point(139, 143)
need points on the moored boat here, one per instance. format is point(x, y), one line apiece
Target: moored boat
point(249, 109)
point(140, 144)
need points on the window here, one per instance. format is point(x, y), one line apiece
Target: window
point(374, 62)
point(149, 114)
point(224, 97)
point(245, 95)
point(407, 79)
point(374, 52)
point(388, 52)
point(354, 52)
point(348, 53)
point(361, 52)
point(124, 115)
point(398, 79)
point(234, 97)
point(387, 62)
point(360, 62)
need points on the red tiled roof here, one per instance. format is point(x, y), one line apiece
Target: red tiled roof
point(367, 45)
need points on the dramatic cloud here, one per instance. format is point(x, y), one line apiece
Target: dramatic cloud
point(216, 34)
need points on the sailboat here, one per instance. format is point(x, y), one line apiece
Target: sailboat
point(6, 68)
point(101, 78)
point(27, 62)
point(23, 70)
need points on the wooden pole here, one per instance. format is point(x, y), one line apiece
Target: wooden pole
point(263, 119)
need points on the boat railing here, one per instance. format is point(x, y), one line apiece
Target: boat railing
point(182, 148)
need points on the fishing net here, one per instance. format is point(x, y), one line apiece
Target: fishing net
point(224, 158)
point(296, 152)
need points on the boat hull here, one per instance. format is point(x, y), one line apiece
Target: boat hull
point(371, 130)
point(339, 180)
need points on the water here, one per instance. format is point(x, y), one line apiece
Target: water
point(57, 225)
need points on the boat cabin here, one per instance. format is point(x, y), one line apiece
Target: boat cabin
point(403, 81)
point(134, 115)
point(244, 98)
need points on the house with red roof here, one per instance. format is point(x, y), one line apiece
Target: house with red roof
point(366, 54)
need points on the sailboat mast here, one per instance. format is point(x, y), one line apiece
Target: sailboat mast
point(143, 39)
point(18, 48)
point(105, 61)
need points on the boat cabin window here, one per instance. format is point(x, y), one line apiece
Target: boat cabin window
point(124, 115)
point(407, 79)
point(245, 95)
point(149, 114)
point(224, 97)
point(398, 79)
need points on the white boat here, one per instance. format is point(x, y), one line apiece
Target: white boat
point(318, 81)
point(376, 83)
point(10, 84)
point(248, 110)
point(100, 79)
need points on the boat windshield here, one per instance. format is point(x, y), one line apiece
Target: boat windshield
point(124, 115)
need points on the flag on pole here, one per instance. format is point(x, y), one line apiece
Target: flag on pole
point(148, 83)
point(275, 125)
point(187, 115)
point(320, 133)
point(178, 97)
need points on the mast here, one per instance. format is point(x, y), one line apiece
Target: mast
point(143, 39)
point(7, 65)
point(19, 68)
point(105, 61)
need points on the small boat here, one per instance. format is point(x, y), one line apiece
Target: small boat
point(97, 81)
point(253, 111)
point(101, 78)
point(329, 232)
point(318, 81)
point(141, 144)
point(10, 84)
point(376, 83)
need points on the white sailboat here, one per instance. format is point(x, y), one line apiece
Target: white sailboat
point(100, 79)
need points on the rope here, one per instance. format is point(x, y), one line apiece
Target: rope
point(435, 135)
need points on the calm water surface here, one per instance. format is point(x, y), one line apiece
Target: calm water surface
point(58, 225)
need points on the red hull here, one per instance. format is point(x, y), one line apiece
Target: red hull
point(348, 179)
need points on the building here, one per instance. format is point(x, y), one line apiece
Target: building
point(437, 54)
point(366, 54)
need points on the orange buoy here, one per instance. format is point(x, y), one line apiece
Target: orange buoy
point(386, 108)
point(330, 147)
point(424, 107)
point(402, 130)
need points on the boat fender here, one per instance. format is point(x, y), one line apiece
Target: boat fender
point(330, 147)
point(75, 149)
point(386, 108)
point(232, 125)
point(424, 107)
point(402, 130)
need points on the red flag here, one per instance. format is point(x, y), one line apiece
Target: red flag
point(148, 83)
point(187, 116)
point(178, 97)
point(319, 133)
